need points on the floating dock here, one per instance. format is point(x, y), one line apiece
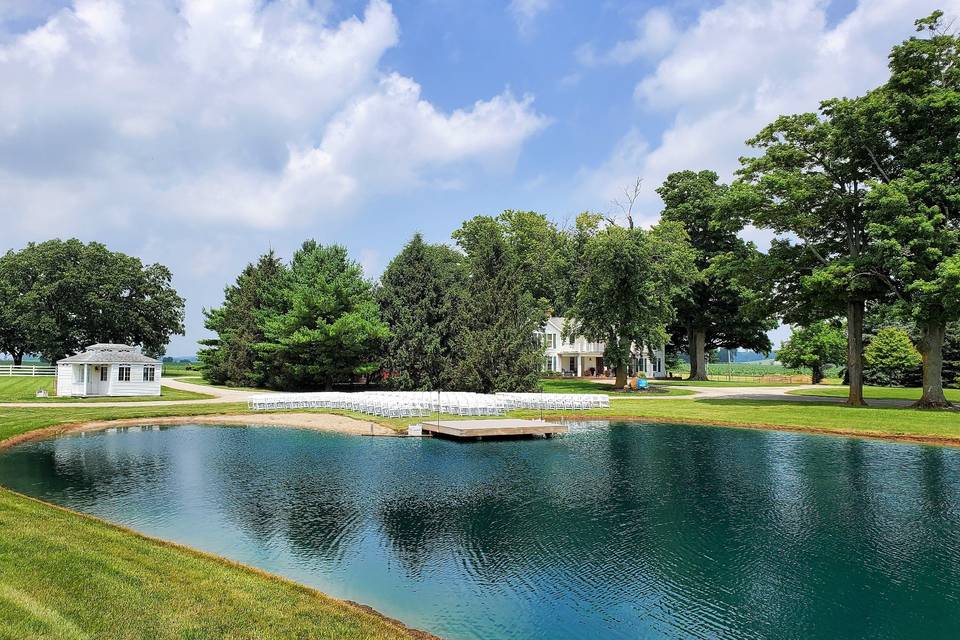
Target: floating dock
point(503, 428)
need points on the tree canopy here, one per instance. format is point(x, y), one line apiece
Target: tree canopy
point(418, 296)
point(498, 317)
point(815, 346)
point(61, 296)
point(725, 305)
point(624, 301)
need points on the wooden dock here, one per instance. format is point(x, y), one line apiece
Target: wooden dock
point(502, 428)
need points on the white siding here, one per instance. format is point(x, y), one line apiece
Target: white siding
point(64, 380)
point(136, 386)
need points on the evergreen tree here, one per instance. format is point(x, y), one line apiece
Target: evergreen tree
point(232, 358)
point(890, 356)
point(417, 296)
point(330, 329)
point(498, 318)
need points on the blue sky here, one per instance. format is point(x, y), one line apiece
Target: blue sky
point(198, 133)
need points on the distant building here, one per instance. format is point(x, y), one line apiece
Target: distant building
point(109, 370)
point(582, 358)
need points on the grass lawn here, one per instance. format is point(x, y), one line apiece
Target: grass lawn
point(722, 383)
point(24, 389)
point(63, 575)
point(578, 385)
point(872, 421)
point(876, 393)
point(51, 561)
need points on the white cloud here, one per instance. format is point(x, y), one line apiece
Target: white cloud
point(736, 68)
point(263, 114)
point(526, 12)
point(656, 32)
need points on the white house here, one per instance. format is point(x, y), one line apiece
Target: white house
point(109, 370)
point(582, 358)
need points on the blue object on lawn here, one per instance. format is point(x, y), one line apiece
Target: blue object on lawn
point(642, 383)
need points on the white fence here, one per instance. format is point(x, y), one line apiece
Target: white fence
point(403, 404)
point(27, 370)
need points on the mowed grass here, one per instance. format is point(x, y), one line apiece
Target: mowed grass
point(784, 414)
point(579, 385)
point(63, 575)
point(24, 389)
point(718, 382)
point(875, 393)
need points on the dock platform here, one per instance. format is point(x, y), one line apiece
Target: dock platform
point(476, 429)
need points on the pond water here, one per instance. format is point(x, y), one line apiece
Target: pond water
point(612, 531)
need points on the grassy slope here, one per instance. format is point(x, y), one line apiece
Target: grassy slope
point(24, 389)
point(64, 575)
point(148, 589)
point(892, 393)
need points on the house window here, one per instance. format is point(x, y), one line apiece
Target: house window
point(123, 373)
point(149, 374)
point(548, 363)
point(104, 373)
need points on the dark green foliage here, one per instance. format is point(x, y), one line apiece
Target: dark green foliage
point(727, 305)
point(816, 346)
point(61, 296)
point(330, 329)
point(890, 357)
point(418, 297)
point(305, 326)
point(498, 317)
point(231, 358)
point(914, 204)
point(625, 298)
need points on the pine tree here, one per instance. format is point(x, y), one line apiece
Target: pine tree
point(417, 300)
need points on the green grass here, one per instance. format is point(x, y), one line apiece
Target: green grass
point(723, 383)
point(872, 421)
point(24, 389)
point(63, 575)
point(180, 369)
point(876, 393)
point(578, 385)
point(51, 561)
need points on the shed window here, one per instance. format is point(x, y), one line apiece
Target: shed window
point(104, 374)
point(123, 373)
point(149, 374)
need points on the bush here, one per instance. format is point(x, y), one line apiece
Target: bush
point(891, 358)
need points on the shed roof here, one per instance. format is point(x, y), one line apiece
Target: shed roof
point(107, 354)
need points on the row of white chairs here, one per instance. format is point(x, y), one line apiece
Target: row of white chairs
point(403, 404)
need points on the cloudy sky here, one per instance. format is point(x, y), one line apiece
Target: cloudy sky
point(199, 133)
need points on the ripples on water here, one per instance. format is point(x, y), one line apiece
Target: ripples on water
point(623, 531)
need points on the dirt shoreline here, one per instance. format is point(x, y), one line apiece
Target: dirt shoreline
point(327, 422)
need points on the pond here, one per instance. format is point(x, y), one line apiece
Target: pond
point(612, 531)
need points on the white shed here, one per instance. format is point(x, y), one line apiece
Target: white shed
point(109, 370)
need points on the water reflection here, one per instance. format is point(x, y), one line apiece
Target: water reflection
point(618, 531)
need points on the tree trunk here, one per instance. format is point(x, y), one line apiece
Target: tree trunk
point(692, 354)
point(817, 373)
point(698, 354)
point(621, 380)
point(855, 352)
point(931, 348)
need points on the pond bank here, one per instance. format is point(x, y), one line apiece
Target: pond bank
point(313, 421)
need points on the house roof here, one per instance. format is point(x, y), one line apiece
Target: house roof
point(109, 353)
